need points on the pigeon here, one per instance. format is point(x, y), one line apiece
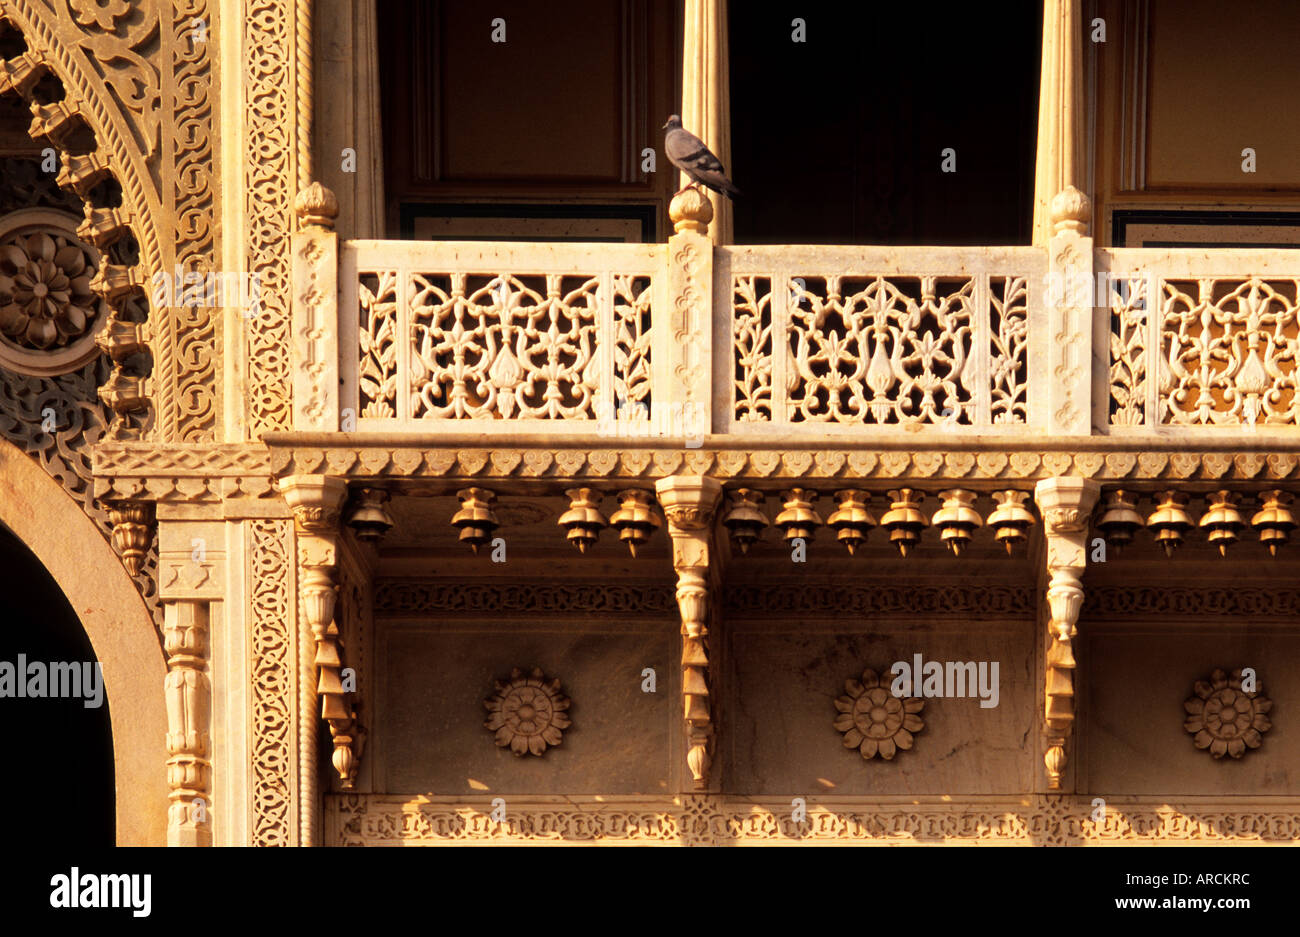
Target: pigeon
point(688, 153)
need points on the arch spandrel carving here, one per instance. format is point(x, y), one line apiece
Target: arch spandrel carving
point(139, 76)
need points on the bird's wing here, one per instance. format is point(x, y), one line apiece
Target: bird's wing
point(688, 152)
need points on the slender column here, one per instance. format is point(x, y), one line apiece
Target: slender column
point(1066, 505)
point(689, 502)
point(189, 704)
point(316, 501)
point(1060, 112)
point(706, 93)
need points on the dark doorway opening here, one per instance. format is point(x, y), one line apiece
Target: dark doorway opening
point(60, 764)
point(840, 139)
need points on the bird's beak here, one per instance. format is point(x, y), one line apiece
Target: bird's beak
point(665, 126)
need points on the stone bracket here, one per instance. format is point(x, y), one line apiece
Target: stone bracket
point(689, 503)
point(1066, 505)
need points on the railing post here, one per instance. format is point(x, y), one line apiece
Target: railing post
point(689, 391)
point(1069, 308)
point(315, 311)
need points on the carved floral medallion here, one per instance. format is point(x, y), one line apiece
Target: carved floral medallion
point(873, 720)
point(527, 713)
point(48, 312)
point(1225, 718)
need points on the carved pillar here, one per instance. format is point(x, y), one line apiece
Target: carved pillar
point(189, 707)
point(1066, 505)
point(1060, 112)
point(191, 577)
point(689, 502)
point(316, 501)
point(706, 93)
point(315, 311)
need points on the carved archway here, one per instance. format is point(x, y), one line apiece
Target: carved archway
point(121, 631)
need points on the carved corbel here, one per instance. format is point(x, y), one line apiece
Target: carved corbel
point(1066, 505)
point(188, 694)
point(133, 527)
point(316, 501)
point(689, 503)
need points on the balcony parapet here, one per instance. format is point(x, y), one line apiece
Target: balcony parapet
point(804, 346)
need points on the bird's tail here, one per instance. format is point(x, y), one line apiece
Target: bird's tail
point(728, 189)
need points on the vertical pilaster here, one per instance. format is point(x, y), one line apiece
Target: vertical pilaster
point(189, 706)
point(1066, 505)
point(706, 93)
point(689, 503)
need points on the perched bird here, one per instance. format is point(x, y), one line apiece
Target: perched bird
point(688, 153)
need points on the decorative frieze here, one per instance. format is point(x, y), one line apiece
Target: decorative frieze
point(433, 597)
point(993, 463)
point(1169, 601)
point(876, 599)
point(702, 819)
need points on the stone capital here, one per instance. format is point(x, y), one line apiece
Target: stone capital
point(1066, 504)
point(315, 500)
point(689, 501)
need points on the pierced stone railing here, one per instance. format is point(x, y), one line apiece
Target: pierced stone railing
point(684, 340)
point(437, 334)
point(1198, 339)
point(829, 340)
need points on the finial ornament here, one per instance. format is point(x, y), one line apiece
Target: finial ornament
point(1071, 211)
point(691, 210)
point(316, 207)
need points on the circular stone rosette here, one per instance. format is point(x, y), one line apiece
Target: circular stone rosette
point(1225, 718)
point(48, 313)
point(527, 712)
point(873, 720)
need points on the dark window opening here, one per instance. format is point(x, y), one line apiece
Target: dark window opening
point(840, 139)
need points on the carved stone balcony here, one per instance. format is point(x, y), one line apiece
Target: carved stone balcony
point(685, 340)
